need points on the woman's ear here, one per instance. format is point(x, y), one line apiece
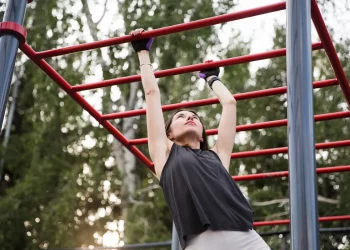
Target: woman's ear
point(201, 140)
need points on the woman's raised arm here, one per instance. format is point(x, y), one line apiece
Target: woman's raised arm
point(227, 125)
point(158, 144)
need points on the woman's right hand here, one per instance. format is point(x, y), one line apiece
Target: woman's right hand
point(205, 73)
point(143, 44)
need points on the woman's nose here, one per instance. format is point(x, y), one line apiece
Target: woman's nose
point(189, 118)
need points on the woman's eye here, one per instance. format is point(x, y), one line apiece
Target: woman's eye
point(195, 117)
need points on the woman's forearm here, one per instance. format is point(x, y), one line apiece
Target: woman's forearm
point(224, 95)
point(148, 79)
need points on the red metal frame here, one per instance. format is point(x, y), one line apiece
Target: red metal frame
point(37, 58)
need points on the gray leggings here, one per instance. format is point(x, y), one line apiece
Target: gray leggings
point(226, 240)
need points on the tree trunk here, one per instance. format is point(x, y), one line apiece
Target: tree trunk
point(126, 161)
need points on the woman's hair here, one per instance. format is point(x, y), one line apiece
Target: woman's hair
point(204, 143)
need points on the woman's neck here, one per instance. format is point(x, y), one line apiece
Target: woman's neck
point(190, 144)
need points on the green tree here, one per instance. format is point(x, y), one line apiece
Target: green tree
point(45, 199)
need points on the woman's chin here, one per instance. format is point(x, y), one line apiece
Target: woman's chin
point(191, 133)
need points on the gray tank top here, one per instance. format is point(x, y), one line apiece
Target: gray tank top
point(201, 194)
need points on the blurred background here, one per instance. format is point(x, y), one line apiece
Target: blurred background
point(67, 183)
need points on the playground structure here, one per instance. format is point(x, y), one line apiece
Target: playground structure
point(301, 149)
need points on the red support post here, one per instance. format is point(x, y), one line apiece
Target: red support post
point(330, 50)
point(166, 30)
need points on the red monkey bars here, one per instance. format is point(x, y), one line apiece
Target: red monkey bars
point(38, 58)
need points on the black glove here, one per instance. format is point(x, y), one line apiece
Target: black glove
point(144, 44)
point(205, 73)
point(209, 72)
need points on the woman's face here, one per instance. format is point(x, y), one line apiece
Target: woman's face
point(186, 124)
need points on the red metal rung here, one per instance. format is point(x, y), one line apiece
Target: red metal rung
point(190, 68)
point(284, 150)
point(262, 125)
point(285, 173)
point(209, 101)
point(286, 222)
point(166, 30)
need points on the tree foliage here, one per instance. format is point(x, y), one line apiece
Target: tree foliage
point(64, 180)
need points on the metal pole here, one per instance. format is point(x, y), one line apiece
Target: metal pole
point(175, 244)
point(15, 11)
point(302, 173)
point(8, 127)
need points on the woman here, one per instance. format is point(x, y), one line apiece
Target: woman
point(208, 209)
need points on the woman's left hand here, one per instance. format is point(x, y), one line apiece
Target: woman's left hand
point(143, 44)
